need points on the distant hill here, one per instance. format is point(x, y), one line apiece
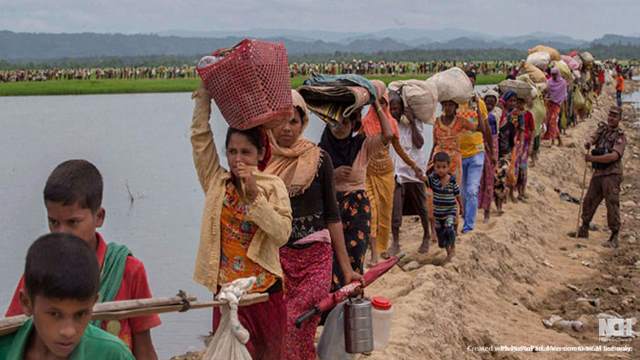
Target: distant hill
point(39, 47)
point(610, 39)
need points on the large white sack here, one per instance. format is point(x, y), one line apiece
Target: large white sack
point(539, 59)
point(420, 96)
point(553, 53)
point(522, 89)
point(586, 57)
point(230, 337)
point(534, 73)
point(452, 85)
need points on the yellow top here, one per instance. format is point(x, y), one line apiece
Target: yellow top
point(471, 142)
point(270, 212)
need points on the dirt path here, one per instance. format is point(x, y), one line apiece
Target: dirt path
point(519, 269)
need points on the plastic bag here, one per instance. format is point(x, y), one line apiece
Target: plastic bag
point(539, 112)
point(564, 69)
point(579, 102)
point(420, 96)
point(230, 337)
point(539, 59)
point(331, 345)
point(564, 121)
point(452, 85)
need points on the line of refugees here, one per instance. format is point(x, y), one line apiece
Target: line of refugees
point(296, 215)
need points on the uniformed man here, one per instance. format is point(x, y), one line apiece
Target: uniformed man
point(606, 158)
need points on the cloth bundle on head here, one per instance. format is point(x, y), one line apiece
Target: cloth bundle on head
point(419, 96)
point(539, 59)
point(371, 122)
point(490, 92)
point(537, 75)
point(296, 165)
point(335, 97)
point(522, 89)
point(553, 53)
point(452, 85)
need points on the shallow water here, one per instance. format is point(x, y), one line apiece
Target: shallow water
point(140, 141)
point(633, 97)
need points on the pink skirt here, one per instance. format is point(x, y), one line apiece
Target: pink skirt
point(307, 275)
point(485, 197)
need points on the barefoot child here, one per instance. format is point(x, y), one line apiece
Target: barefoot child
point(73, 200)
point(445, 202)
point(59, 297)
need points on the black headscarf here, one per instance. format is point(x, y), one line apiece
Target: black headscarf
point(343, 152)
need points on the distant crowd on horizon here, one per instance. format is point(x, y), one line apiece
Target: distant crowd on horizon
point(360, 67)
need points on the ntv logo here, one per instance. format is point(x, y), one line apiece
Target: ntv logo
point(616, 327)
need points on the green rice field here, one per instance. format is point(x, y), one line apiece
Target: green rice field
point(117, 86)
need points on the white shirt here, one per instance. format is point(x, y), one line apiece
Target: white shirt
point(405, 174)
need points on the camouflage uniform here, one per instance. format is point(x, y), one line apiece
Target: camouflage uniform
point(605, 182)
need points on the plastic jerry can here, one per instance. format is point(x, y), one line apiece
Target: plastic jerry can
point(381, 314)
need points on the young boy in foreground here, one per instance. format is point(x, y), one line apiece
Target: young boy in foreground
point(59, 296)
point(445, 202)
point(73, 199)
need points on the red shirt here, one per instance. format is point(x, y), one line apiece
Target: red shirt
point(529, 126)
point(134, 286)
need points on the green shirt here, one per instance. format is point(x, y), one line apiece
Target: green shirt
point(94, 344)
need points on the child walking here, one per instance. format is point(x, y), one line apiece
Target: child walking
point(444, 195)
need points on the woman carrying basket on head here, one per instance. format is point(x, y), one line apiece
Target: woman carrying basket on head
point(246, 219)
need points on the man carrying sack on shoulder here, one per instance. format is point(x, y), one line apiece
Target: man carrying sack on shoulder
point(606, 158)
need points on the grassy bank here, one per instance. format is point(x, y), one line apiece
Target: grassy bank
point(85, 87)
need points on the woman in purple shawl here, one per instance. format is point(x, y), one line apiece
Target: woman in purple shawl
point(556, 95)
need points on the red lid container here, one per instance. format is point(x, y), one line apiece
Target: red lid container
point(381, 303)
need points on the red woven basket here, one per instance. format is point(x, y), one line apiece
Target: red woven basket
point(251, 83)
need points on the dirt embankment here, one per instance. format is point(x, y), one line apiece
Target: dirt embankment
point(521, 268)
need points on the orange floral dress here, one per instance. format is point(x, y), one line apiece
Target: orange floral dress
point(446, 138)
point(236, 235)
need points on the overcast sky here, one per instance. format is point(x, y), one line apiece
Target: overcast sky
point(585, 19)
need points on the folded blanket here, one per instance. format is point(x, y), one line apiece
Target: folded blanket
point(334, 103)
point(342, 80)
point(335, 97)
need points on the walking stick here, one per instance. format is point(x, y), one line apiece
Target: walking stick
point(584, 180)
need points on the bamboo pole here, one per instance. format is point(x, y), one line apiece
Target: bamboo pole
point(118, 310)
